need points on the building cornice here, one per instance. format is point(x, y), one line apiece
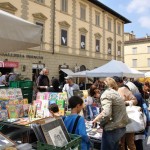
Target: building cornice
point(64, 23)
point(39, 16)
point(104, 7)
point(6, 6)
point(83, 30)
point(137, 41)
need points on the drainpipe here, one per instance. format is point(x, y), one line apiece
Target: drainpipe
point(54, 27)
point(115, 47)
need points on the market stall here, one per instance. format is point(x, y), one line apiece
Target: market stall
point(114, 68)
point(17, 34)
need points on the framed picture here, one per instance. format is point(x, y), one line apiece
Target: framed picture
point(56, 133)
point(5, 142)
point(58, 137)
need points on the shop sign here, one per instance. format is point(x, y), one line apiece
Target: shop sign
point(11, 64)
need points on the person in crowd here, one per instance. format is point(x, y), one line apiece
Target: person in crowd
point(54, 110)
point(70, 86)
point(113, 117)
point(3, 79)
point(82, 85)
point(129, 99)
point(94, 91)
point(12, 76)
point(55, 86)
point(140, 136)
point(93, 101)
point(130, 85)
point(43, 80)
point(125, 80)
point(74, 123)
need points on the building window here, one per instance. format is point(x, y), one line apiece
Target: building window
point(148, 49)
point(40, 1)
point(64, 37)
point(64, 5)
point(109, 48)
point(119, 28)
point(148, 60)
point(82, 12)
point(134, 62)
point(97, 48)
point(119, 50)
point(42, 25)
point(109, 24)
point(134, 50)
point(97, 19)
point(83, 41)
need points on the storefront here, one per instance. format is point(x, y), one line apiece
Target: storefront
point(8, 66)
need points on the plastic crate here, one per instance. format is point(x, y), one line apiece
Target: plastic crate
point(26, 84)
point(73, 144)
point(26, 90)
point(14, 84)
point(28, 96)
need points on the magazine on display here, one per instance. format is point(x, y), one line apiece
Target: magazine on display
point(93, 131)
point(56, 133)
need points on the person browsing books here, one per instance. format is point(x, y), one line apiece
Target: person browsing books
point(74, 123)
point(54, 110)
point(70, 86)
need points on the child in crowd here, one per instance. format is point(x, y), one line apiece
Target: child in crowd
point(74, 123)
point(54, 110)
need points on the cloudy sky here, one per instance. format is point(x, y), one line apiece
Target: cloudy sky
point(137, 11)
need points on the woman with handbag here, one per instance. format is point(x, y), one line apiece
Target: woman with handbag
point(129, 99)
point(113, 117)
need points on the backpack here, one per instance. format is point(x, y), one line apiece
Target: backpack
point(75, 124)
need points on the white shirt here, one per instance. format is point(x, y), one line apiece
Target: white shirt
point(70, 88)
point(132, 87)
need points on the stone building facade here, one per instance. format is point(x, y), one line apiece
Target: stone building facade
point(137, 52)
point(75, 33)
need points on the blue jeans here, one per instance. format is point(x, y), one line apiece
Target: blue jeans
point(110, 139)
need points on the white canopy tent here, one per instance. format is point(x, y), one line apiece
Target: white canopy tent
point(80, 74)
point(147, 74)
point(137, 73)
point(67, 71)
point(114, 68)
point(17, 34)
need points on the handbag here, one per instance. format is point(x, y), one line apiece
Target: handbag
point(137, 119)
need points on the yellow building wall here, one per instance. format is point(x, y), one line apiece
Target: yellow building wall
point(142, 56)
point(72, 54)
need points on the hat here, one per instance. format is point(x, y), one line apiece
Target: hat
point(68, 77)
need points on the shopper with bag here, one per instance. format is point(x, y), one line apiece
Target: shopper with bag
point(113, 117)
point(129, 100)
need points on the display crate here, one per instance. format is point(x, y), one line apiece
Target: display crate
point(14, 84)
point(75, 143)
point(26, 84)
point(21, 84)
point(28, 95)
